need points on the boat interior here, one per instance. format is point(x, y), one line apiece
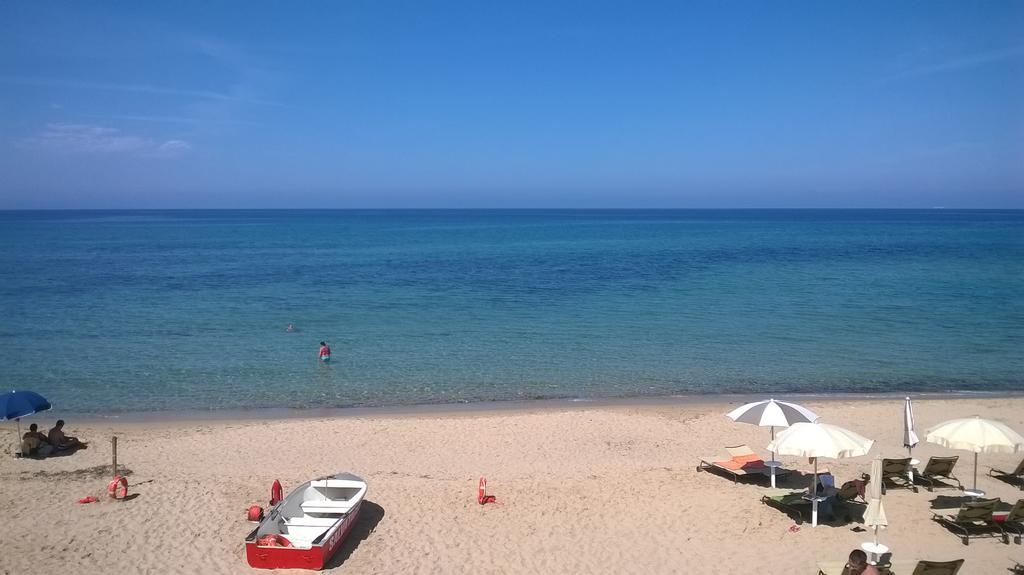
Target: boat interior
point(307, 514)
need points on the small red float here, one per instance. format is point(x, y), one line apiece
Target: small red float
point(255, 513)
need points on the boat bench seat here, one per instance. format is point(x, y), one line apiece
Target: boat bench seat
point(311, 521)
point(334, 507)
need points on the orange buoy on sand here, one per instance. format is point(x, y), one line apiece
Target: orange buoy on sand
point(276, 493)
point(255, 513)
point(118, 487)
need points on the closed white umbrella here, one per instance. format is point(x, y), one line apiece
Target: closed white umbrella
point(977, 435)
point(816, 440)
point(772, 413)
point(910, 438)
point(874, 516)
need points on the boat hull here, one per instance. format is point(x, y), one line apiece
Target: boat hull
point(316, 557)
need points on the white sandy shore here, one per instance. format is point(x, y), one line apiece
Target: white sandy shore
point(584, 490)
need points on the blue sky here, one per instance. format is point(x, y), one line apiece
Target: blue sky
point(511, 104)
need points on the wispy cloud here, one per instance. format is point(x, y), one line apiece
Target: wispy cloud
point(172, 149)
point(167, 119)
point(132, 88)
point(93, 139)
point(962, 62)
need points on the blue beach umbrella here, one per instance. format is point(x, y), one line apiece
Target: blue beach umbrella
point(18, 404)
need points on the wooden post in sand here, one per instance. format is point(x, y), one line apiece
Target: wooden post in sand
point(113, 447)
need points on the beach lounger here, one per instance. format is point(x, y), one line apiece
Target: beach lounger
point(897, 568)
point(939, 468)
point(974, 519)
point(1017, 475)
point(796, 504)
point(1012, 523)
point(897, 473)
point(937, 568)
point(742, 462)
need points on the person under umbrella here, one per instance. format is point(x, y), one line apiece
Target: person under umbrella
point(18, 404)
point(816, 440)
point(772, 413)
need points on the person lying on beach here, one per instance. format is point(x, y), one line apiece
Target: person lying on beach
point(35, 443)
point(858, 564)
point(59, 441)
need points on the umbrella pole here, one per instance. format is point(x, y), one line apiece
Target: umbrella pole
point(773, 458)
point(17, 420)
point(814, 495)
point(975, 488)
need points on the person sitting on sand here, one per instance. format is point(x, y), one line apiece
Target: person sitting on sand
point(35, 443)
point(858, 564)
point(59, 441)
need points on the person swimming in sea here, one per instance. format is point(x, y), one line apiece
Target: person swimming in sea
point(290, 328)
point(325, 352)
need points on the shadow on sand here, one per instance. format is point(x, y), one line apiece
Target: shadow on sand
point(369, 516)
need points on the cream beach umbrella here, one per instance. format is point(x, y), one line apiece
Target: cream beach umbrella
point(772, 413)
point(977, 435)
point(816, 440)
point(874, 516)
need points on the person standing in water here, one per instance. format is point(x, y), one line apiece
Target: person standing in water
point(325, 352)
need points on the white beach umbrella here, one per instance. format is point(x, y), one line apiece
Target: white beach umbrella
point(772, 413)
point(977, 435)
point(874, 516)
point(816, 440)
point(910, 438)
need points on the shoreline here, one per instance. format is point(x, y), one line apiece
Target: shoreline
point(562, 472)
point(477, 408)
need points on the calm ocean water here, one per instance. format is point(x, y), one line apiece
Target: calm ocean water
point(167, 310)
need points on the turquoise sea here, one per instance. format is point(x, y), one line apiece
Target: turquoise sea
point(125, 311)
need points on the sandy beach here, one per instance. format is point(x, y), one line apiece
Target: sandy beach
point(580, 489)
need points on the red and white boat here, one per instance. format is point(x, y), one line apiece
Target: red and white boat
point(306, 528)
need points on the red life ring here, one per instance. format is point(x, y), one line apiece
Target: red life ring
point(273, 540)
point(118, 487)
point(481, 493)
point(276, 493)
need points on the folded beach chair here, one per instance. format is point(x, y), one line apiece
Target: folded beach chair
point(1012, 476)
point(896, 472)
point(939, 468)
point(974, 519)
point(1012, 523)
point(742, 462)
